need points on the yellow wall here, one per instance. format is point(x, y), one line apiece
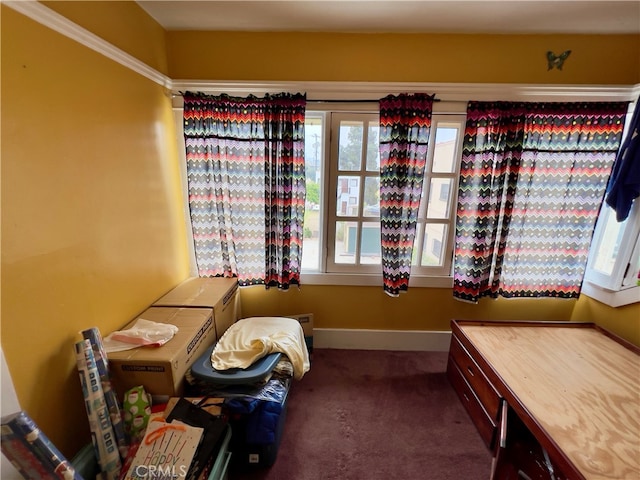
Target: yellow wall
point(371, 308)
point(123, 24)
point(595, 59)
point(428, 309)
point(623, 321)
point(402, 58)
point(92, 220)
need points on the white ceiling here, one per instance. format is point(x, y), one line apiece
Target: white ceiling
point(409, 16)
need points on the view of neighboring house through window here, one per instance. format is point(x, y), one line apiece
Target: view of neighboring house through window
point(354, 202)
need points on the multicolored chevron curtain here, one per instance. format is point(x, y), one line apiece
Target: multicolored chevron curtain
point(532, 181)
point(284, 189)
point(245, 172)
point(405, 124)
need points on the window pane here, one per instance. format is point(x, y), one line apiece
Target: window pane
point(347, 196)
point(370, 251)
point(313, 155)
point(371, 197)
point(633, 275)
point(373, 149)
point(434, 239)
point(445, 149)
point(350, 146)
point(310, 252)
point(439, 194)
point(345, 247)
point(313, 148)
point(605, 258)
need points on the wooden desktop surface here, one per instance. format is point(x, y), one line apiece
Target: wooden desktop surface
point(580, 386)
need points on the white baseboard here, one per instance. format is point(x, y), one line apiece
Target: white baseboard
point(362, 339)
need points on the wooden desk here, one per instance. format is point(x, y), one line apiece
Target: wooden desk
point(566, 392)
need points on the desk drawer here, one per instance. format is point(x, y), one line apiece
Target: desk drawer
point(486, 425)
point(483, 389)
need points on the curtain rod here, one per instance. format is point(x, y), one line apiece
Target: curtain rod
point(329, 100)
point(352, 101)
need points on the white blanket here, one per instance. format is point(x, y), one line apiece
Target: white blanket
point(252, 338)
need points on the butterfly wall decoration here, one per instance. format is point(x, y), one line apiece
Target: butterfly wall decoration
point(556, 61)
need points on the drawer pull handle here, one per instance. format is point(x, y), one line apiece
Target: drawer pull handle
point(465, 397)
point(471, 371)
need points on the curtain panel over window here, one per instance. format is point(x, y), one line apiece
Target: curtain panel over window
point(405, 125)
point(246, 180)
point(532, 180)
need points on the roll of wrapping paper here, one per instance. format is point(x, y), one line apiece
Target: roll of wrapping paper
point(31, 450)
point(102, 436)
point(110, 396)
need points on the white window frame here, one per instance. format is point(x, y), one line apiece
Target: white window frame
point(620, 286)
point(449, 218)
point(348, 274)
point(332, 218)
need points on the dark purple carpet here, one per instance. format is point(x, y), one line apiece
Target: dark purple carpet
point(366, 415)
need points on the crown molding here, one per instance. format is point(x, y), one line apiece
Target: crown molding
point(319, 90)
point(454, 92)
point(47, 17)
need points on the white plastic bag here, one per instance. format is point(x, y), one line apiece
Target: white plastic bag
point(142, 333)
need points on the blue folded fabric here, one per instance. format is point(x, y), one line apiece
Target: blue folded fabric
point(262, 418)
point(624, 183)
point(263, 423)
point(243, 405)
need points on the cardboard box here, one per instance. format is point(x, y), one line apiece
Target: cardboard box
point(161, 370)
point(220, 294)
point(306, 321)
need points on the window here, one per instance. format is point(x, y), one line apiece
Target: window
point(612, 275)
point(343, 195)
point(314, 163)
point(614, 261)
point(433, 248)
point(432, 252)
point(353, 240)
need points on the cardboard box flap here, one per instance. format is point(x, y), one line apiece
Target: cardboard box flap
point(200, 292)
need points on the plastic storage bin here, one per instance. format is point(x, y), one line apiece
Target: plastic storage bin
point(248, 455)
point(220, 466)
